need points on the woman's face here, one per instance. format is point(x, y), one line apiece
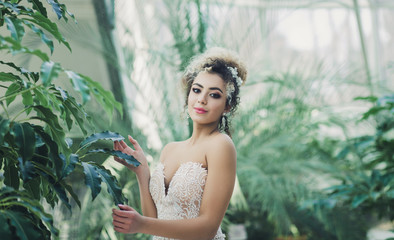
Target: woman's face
point(207, 98)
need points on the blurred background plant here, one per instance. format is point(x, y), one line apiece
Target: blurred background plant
point(307, 166)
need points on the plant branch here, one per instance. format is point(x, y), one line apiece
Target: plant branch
point(21, 92)
point(5, 109)
point(20, 112)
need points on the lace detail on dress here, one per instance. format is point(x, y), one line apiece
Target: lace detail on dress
point(184, 193)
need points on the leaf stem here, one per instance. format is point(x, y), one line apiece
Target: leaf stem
point(21, 92)
point(19, 113)
point(5, 109)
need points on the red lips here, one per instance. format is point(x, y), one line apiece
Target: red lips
point(200, 110)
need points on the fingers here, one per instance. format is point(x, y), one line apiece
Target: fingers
point(125, 207)
point(134, 142)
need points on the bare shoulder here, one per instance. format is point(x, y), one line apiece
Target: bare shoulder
point(220, 142)
point(221, 149)
point(168, 148)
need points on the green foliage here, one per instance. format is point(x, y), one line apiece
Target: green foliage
point(369, 186)
point(36, 158)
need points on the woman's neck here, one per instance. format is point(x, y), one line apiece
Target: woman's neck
point(201, 132)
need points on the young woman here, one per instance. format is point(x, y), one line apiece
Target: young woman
point(188, 193)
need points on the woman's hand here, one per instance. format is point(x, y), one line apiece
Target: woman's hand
point(137, 153)
point(126, 220)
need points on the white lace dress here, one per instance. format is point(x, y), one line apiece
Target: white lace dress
point(184, 193)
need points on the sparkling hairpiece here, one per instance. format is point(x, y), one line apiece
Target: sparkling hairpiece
point(234, 73)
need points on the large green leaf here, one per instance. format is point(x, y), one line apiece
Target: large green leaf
point(128, 158)
point(24, 202)
point(27, 99)
point(56, 8)
point(37, 5)
point(49, 72)
point(33, 188)
point(25, 139)
point(72, 193)
point(29, 75)
point(79, 84)
point(69, 166)
point(16, 28)
point(72, 108)
point(53, 149)
point(41, 97)
point(8, 77)
point(11, 174)
point(15, 47)
point(24, 228)
point(11, 90)
point(57, 132)
point(4, 128)
point(112, 185)
point(61, 192)
point(104, 97)
point(44, 38)
point(45, 23)
point(5, 230)
point(27, 170)
point(106, 135)
point(92, 178)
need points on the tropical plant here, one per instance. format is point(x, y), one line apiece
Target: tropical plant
point(367, 184)
point(36, 158)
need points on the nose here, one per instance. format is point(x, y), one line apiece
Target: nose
point(202, 99)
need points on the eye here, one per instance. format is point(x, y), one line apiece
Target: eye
point(196, 90)
point(215, 95)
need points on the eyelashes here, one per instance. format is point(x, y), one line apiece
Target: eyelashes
point(214, 95)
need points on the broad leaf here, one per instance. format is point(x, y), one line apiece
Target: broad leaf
point(23, 71)
point(60, 191)
point(11, 90)
point(33, 187)
point(15, 47)
point(26, 169)
point(11, 174)
point(106, 135)
point(72, 193)
point(359, 200)
point(16, 28)
point(49, 72)
point(92, 179)
point(37, 5)
point(56, 8)
point(8, 77)
point(57, 132)
point(39, 32)
point(53, 149)
point(104, 97)
point(5, 229)
point(4, 128)
point(40, 97)
point(48, 25)
point(112, 185)
point(25, 139)
point(72, 108)
point(128, 158)
point(69, 166)
point(79, 84)
point(27, 99)
point(24, 228)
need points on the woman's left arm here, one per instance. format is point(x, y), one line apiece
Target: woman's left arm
point(221, 158)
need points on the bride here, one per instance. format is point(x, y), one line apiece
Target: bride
point(188, 193)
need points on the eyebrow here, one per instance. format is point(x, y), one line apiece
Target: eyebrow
point(212, 88)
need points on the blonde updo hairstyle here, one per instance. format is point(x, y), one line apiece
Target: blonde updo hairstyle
point(229, 67)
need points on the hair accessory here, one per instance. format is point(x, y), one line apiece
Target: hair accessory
point(234, 73)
